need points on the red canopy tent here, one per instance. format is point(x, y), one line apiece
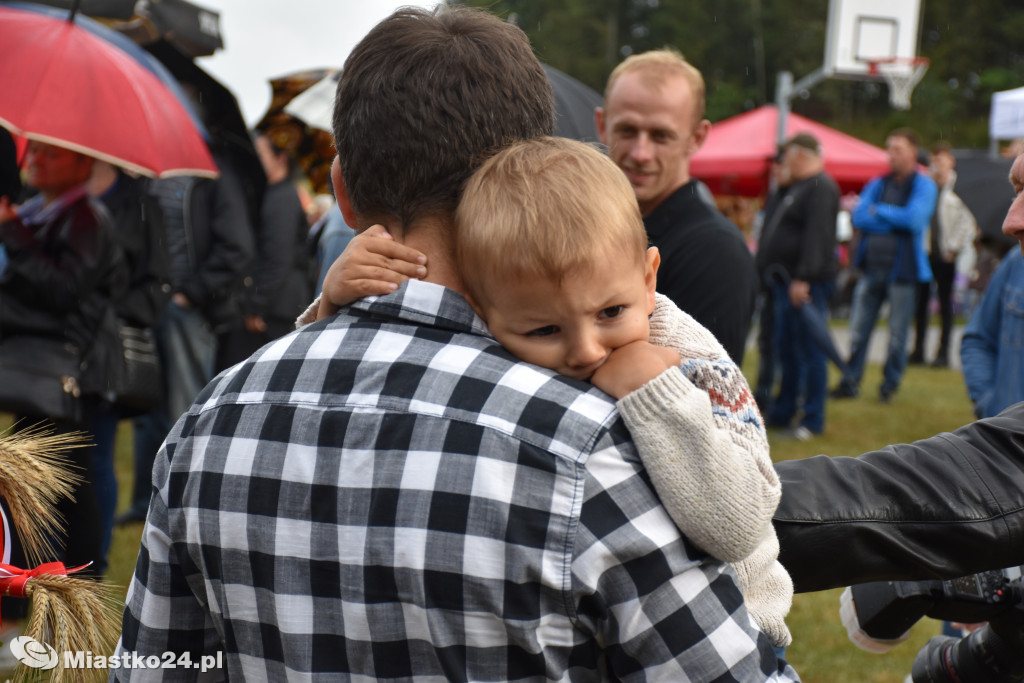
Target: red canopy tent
point(734, 159)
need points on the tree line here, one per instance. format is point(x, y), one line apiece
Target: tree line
point(975, 48)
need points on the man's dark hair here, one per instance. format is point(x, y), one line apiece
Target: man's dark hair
point(424, 98)
point(942, 147)
point(908, 134)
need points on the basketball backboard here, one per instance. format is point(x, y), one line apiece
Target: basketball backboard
point(864, 31)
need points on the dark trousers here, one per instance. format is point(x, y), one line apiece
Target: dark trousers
point(767, 360)
point(803, 361)
point(943, 274)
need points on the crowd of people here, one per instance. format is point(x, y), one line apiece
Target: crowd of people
point(511, 438)
point(86, 245)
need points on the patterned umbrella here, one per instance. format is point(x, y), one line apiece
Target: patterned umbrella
point(311, 147)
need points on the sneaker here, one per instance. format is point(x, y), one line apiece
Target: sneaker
point(915, 358)
point(844, 390)
point(885, 395)
point(940, 362)
point(800, 433)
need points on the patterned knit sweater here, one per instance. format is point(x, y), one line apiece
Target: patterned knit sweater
point(702, 439)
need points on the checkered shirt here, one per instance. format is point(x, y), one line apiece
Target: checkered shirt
point(389, 494)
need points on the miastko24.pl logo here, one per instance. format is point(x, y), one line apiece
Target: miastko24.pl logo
point(37, 655)
point(34, 654)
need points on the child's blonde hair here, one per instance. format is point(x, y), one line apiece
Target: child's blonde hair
point(546, 207)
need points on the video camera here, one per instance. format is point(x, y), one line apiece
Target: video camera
point(884, 611)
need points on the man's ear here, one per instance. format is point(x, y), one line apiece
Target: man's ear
point(341, 195)
point(599, 123)
point(652, 259)
point(700, 136)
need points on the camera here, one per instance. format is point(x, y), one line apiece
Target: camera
point(884, 611)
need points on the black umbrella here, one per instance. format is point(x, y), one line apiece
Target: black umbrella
point(982, 182)
point(574, 106)
point(816, 323)
point(106, 9)
point(192, 29)
point(219, 111)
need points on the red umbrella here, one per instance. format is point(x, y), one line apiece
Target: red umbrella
point(65, 86)
point(734, 158)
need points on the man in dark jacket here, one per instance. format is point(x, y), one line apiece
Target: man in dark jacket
point(278, 285)
point(798, 251)
point(210, 245)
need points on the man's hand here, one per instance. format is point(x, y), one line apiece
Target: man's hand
point(631, 366)
point(255, 324)
point(7, 211)
point(372, 263)
point(799, 292)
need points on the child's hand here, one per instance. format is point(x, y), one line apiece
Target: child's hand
point(372, 263)
point(631, 366)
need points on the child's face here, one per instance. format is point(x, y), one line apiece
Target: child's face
point(573, 327)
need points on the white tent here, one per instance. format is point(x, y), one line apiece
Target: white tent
point(1006, 121)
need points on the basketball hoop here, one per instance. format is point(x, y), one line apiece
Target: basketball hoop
point(902, 74)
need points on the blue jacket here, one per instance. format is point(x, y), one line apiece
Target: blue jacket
point(872, 216)
point(992, 350)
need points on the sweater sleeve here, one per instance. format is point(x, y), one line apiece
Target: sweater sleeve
point(309, 315)
point(703, 442)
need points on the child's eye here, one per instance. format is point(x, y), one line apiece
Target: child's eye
point(545, 331)
point(612, 311)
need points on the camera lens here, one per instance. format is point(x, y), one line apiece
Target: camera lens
point(984, 656)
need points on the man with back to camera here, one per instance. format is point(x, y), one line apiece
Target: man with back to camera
point(387, 493)
point(653, 123)
point(892, 215)
point(798, 256)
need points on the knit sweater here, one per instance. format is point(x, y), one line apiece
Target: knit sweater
point(702, 439)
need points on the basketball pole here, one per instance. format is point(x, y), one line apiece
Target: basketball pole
point(786, 90)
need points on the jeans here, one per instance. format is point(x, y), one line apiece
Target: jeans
point(804, 363)
point(873, 288)
point(187, 349)
point(104, 431)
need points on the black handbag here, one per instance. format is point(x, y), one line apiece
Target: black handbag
point(39, 377)
point(138, 385)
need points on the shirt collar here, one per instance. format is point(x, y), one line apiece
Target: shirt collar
point(35, 212)
point(425, 303)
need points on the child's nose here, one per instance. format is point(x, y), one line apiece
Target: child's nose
point(586, 350)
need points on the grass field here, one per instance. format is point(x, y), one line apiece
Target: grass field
point(930, 401)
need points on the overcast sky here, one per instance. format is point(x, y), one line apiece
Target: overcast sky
point(265, 39)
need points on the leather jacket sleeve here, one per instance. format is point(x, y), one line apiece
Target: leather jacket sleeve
point(938, 508)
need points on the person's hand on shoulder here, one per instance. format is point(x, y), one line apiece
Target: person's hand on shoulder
point(373, 263)
point(631, 366)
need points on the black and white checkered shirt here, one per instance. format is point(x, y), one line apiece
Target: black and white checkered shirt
point(388, 494)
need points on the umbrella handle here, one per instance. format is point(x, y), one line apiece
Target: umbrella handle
point(776, 273)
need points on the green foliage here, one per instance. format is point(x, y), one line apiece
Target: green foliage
point(741, 46)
